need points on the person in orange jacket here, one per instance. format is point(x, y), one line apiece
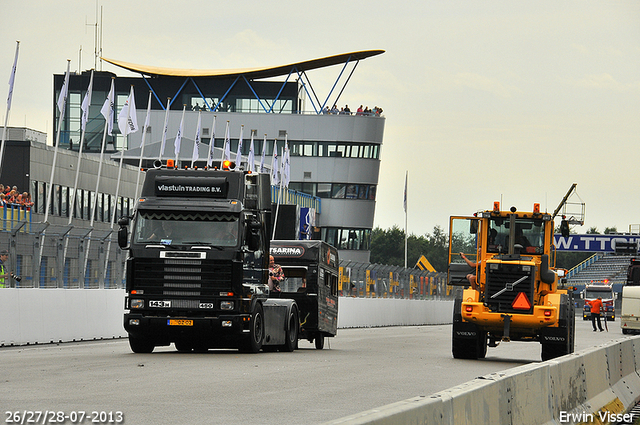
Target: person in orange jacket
point(596, 308)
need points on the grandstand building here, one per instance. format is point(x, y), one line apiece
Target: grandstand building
point(334, 157)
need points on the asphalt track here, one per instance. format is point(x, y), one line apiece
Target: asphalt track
point(358, 370)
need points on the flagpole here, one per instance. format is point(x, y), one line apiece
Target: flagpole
point(196, 142)
point(144, 135)
point(406, 179)
point(275, 221)
point(178, 140)
point(212, 143)
point(62, 108)
point(164, 129)
point(84, 128)
point(239, 151)
point(6, 117)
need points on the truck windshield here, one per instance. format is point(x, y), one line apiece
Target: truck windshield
point(179, 228)
point(593, 294)
point(529, 234)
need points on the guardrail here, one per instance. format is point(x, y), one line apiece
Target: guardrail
point(596, 385)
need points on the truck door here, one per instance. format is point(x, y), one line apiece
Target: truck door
point(464, 238)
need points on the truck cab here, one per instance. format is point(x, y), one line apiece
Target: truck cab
point(603, 290)
point(509, 289)
point(197, 267)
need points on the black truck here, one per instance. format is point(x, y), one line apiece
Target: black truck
point(311, 279)
point(197, 268)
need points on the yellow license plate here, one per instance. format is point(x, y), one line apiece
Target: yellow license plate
point(179, 322)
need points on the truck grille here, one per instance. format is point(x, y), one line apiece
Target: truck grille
point(503, 276)
point(182, 277)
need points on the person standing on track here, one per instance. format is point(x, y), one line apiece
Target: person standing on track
point(596, 308)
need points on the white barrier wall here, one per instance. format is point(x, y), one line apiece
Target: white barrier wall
point(40, 316)
point(374, 312)
point(596, 385)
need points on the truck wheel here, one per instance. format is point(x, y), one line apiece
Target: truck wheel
point(183, 346)
point(291, 337)
point(256, 335)
point(319, 340)
point(551, 351)
point(140, 345)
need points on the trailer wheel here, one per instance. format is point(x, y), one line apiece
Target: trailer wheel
point(319, 340)
point(140, 345)
point(256, 335)
point(291, 337)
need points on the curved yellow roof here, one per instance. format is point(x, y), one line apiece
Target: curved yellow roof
point(250, 73)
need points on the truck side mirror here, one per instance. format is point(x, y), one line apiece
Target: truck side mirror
point(123, 233)
point(253, 235)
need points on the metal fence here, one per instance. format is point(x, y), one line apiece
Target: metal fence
point(384, 281)
point(54, 256)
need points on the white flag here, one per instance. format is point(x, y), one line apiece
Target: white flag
point(12, 77)
point(127, 118)
point(62, 98)
point(406, 177)
point(108, 109)
point(146, 123)
point(165, 128)
point(251, 158)
point(285, 166)
point(196, 145)
point(227, 145)
point(274, 164)
point(239, 152)
point(86, 103)
point(264, 152)
point(212, 143)
point(178, 140)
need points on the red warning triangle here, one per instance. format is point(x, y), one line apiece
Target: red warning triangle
point(521, 302)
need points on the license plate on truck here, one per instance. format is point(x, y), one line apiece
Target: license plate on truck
point(179, 322)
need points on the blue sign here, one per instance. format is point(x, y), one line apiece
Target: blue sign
point(592, 243)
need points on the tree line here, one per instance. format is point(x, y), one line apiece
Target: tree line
point(387, 247)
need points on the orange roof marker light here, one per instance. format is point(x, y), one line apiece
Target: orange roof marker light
point(170, 163)
point(536, 208)
point(228, 165)
point(496, 206)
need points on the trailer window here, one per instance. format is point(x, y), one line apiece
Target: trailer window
point(295, 279)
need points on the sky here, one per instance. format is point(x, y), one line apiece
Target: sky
point(510, 101)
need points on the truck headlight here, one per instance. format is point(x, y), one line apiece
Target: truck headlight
point(136, 303)
point(227, 305)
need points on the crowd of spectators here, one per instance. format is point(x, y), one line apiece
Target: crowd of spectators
point(346, 111)
point(10, 196)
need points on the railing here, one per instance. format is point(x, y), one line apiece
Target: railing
point(586, 263)
point(13, 214)
point(366, 280)
point(53, 256)
point(290, 196)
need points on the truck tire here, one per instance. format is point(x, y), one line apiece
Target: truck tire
point(140, 344)
point(319, 340)
point(550, 350)
point(291, 336)
point(466, 347)
point(183, 346)
point(256, 336)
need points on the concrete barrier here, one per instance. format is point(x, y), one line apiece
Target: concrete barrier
point(374, 312)
point(40, 316)
point(596, 385)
